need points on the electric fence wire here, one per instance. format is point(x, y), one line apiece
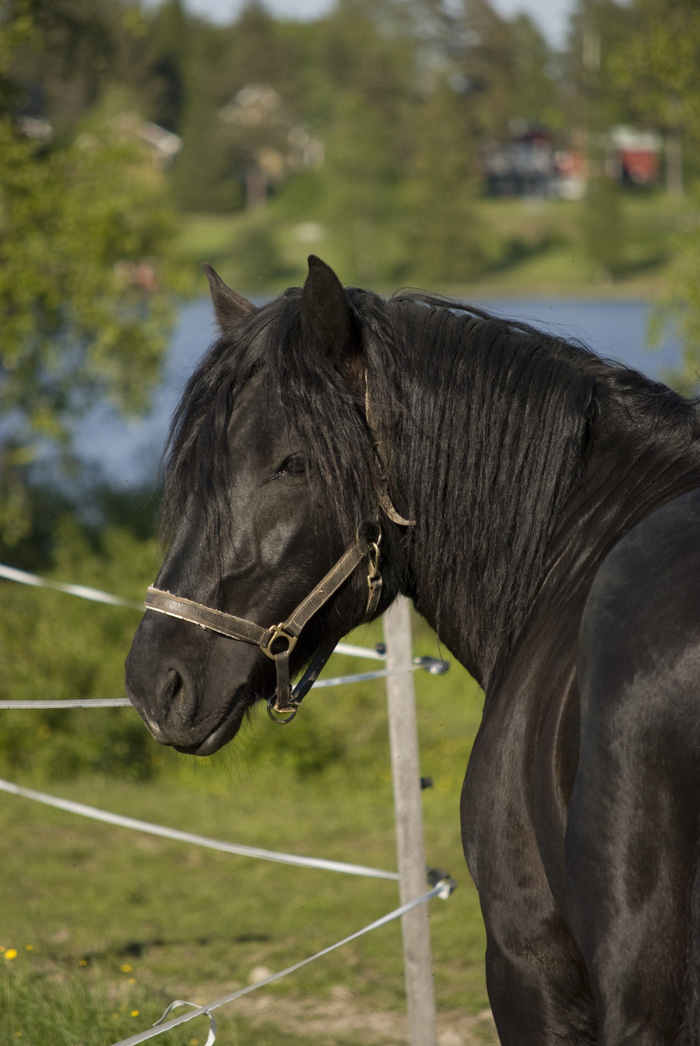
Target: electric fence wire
point(442, 889)
point(23, 577)
point(188, 837)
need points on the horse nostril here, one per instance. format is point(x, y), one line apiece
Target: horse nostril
point(174, 685)
point(177, 696)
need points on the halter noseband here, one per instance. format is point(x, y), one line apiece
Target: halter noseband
point(278, 641)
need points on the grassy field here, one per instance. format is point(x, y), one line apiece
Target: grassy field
point(530, 247)
point(102, 927)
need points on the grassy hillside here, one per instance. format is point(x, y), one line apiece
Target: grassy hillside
point(538, 247)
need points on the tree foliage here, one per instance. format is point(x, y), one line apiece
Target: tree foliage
point(85, 236)
point(657, 65)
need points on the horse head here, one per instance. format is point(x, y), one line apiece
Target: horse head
point(261, 574)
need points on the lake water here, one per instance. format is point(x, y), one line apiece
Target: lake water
point(128, 452)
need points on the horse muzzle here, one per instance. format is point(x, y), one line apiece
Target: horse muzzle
point(191, 690)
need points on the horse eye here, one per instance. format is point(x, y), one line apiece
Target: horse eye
point(293, 466)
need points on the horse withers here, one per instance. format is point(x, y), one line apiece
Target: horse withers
point(541, 508)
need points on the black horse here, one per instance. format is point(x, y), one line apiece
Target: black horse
point(541, 507)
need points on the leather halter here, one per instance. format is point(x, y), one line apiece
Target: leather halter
point(271, 641)
point(278, 641)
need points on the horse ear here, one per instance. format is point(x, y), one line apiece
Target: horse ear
point(327, 319)
point(230, 308)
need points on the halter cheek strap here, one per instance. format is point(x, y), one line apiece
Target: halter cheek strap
point(278, 641)
point(381, 486)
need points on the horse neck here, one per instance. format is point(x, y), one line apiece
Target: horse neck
point(479, 619)
point(485, 482)
point(504, 495)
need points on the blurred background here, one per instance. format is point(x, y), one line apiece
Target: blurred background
point(525, 153)
point(540, 157)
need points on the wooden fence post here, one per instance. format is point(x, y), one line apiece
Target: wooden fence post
point(405, 767)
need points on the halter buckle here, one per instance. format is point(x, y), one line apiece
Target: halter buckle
point(279, 632)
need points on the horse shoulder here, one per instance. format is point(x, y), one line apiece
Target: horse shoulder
point(632, 830)
point(639, 642)
point(639, 687)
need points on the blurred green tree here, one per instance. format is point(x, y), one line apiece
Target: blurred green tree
point(367, 57)
point(443, 232)
point(657, 64)
point(219, 157)
point(85, 234)
point(53, 646)
point(167, 42)
point(595, 100)
point(536, 99)
point(596, 103)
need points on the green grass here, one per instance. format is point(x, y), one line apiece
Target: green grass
point(542, 244)
point(118, 921)
point(531, 247)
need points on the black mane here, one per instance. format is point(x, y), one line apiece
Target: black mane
point(493, 421)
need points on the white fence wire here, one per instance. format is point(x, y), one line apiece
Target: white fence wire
point(188, 837)
point(443, 889)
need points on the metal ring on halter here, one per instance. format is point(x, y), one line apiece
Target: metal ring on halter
point(273, 712)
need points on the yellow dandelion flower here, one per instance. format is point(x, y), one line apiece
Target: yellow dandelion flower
point(29, 947)
point(11, 953)
point(82, 962)
point(134, 1013)
point(126, 968)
